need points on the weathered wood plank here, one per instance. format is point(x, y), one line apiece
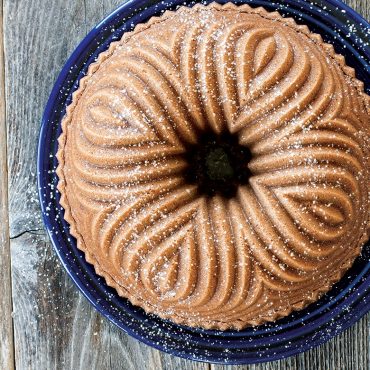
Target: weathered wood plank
point(6, 325)
point(361, 6)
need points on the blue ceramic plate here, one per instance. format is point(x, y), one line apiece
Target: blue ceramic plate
point(337, 310)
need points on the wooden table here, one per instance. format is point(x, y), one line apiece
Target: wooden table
point(45, 323)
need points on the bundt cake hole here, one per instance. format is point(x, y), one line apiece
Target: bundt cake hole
point(217, 164)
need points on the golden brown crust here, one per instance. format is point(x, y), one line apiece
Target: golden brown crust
point(218, 263)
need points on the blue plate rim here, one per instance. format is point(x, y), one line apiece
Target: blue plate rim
point(40, 158)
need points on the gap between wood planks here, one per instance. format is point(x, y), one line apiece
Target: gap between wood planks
point(7, 358)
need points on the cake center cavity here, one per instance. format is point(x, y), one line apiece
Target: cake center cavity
point(217, 164)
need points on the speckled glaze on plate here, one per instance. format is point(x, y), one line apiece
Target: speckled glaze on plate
point(345, 303)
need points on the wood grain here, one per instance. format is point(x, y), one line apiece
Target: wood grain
point(361, 6)
point(6, 325)
point(54, 326)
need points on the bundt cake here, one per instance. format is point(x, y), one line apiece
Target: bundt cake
point(214, 166)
